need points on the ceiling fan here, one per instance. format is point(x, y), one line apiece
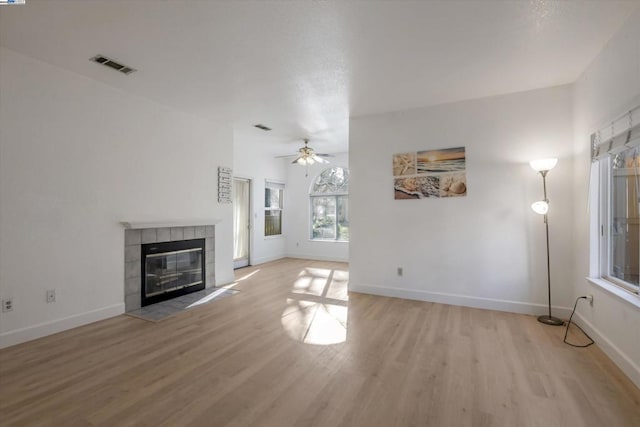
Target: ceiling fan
point(308, 156)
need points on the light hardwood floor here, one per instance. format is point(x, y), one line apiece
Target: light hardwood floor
point(288, 350)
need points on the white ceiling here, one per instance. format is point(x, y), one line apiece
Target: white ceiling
point(304, 67)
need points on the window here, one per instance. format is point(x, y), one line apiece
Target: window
point(330, 205)
point(273, 195)
point(618, 159)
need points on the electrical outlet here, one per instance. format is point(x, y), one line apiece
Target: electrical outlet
point(51, 295)
point(7, 305)
point(400, 271)
point(590, 299)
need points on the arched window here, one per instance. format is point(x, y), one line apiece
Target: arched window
point(329, 195)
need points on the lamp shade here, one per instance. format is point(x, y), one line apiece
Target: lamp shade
point(541, 165)
point(540, 207)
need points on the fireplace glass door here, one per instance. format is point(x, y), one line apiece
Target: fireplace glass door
point(172, 269)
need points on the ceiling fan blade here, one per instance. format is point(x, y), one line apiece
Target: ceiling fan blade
point(319, 159)
point(324, 155)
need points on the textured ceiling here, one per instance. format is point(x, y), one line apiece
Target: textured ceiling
point(304, 67)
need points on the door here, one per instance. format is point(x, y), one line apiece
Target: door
point(241, 221)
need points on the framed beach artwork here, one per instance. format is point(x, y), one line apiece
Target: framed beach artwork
point(430, 173)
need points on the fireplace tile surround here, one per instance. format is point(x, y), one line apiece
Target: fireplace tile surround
point(137, 235)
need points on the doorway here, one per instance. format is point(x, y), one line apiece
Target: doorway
point(241, 222)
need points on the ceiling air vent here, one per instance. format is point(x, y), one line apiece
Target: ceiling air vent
point(263, 127)
point(100, 59)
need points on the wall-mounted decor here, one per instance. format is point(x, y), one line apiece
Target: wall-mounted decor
point(430, 173)
point(224, 185)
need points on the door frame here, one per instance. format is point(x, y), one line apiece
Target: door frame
point(250, 216)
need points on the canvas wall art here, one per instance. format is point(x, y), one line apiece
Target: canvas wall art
point(430, 173)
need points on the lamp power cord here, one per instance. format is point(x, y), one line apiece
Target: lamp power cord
point(566, 332)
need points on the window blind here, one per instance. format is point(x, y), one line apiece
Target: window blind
point(620, 135)
point(274, 185)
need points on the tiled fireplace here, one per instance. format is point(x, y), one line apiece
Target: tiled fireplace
point(171, 251)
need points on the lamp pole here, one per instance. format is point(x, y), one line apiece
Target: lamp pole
point(548, 319)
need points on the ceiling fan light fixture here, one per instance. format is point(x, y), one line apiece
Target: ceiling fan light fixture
point(307, 156)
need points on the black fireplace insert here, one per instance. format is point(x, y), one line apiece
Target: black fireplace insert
point(171, 269)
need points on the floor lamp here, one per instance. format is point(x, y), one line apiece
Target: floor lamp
point(543, 166)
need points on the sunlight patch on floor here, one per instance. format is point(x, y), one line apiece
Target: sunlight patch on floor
point(329, 325)
point(317, 308)
point(247, 276)
point(209, 297)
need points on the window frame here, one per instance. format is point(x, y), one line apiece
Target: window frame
point(335, 197)
point(604, 225)
point(328, 195)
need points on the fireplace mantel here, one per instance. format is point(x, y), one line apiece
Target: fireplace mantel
point(136, 225)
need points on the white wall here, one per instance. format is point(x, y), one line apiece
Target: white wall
point(77, 157)
point(299, 243)
point(609, 87)
point(253, 162)
point(486, 249)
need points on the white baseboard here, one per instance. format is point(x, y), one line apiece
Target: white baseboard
point(29, 333)
point(317, 257)
point(462, 300)
point(262, 260)
point(258, 261)
point(624, 362)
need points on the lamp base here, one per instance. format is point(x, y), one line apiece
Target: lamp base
point(550, 320)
